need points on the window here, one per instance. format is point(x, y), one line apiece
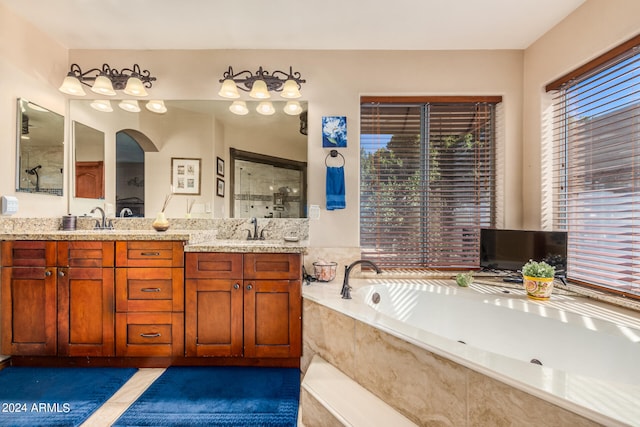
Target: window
point(427, 180)
point(596, 184)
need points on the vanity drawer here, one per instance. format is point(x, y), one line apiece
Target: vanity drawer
point(149, 254)
point(28, 253)
point(149, 289)
point(85, 254)
point(213, 265)
point(272, 266)
point(149, 334)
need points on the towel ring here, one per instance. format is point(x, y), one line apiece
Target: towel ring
point(334, 153)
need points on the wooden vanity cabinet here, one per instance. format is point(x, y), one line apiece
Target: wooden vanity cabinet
point(28, 304)
point(149, 299)
point(85, 298)
point(245, 305)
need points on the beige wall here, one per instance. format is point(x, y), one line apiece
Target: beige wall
point(593, 29)
point(336, 80)
point(30, 68)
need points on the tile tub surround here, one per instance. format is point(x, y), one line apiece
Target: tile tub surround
point(427, 385)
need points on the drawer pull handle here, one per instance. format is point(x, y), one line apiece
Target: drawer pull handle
point(150, 290)
point(156, 335)
point(150, 253)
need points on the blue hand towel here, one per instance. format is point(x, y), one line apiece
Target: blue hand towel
point(335, 188)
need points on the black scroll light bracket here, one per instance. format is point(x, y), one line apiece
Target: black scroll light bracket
point(334, 153)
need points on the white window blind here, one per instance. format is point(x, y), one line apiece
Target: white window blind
point(427, 182)
point(597, 172)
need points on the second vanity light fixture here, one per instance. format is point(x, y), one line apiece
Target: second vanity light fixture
point(259, 85)
point(106, 80)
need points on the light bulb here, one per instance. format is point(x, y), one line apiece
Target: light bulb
point(239, 108)
point(103, 86)
point(103, 105)
point(259, 90)
point(72, 86)
point(130, 105)
point(265, 108)
point(229, 89)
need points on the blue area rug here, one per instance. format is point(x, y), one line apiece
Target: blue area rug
point(55, 396)
point(218, 396)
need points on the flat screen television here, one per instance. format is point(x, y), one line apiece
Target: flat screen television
point(511, 249)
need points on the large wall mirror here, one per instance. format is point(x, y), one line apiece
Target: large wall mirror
point(89, 161)
point(40, 149)
point(203, 129)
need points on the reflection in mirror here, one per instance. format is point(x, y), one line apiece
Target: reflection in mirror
point(129, 176)
point(40, 149)
point(203, 129)
point(89, 163)
point(266, 186)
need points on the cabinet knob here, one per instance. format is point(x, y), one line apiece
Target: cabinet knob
point(236, 286)
point(249, 286)
point(47, 273)
point(61, 273)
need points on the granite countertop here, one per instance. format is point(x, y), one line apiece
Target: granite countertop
point(196, 240)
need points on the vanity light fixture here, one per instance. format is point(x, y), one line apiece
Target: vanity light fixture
point(106, 80)
point(261, 83)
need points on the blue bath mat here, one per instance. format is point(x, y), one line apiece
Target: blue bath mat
point(55, 396)
point(218, 396)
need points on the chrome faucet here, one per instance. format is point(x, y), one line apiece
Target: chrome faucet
point(125, 211)
point(101, 224)
point(346, 289)
point(255, 236)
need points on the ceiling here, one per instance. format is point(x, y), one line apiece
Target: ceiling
point(294, 24)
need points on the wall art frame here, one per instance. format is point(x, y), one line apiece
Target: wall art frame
point(185, 175)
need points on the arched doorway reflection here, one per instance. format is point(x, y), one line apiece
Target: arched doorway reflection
point(130, 148)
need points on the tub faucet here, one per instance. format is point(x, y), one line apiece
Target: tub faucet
point(346, 289)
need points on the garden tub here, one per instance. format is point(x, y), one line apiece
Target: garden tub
point(576, 353)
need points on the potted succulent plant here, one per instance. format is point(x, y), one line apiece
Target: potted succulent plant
point(538, 279)
point(464, 279)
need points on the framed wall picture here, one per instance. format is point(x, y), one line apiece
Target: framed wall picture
point(220, 187)
point(185, 176)
point(220, 167)
point(334, 131)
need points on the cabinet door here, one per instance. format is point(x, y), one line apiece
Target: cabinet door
point(213, 317)
point(28, 311)
point(85, 312)
point(272, 318)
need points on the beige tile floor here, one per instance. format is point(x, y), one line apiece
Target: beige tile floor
point(123, 398)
